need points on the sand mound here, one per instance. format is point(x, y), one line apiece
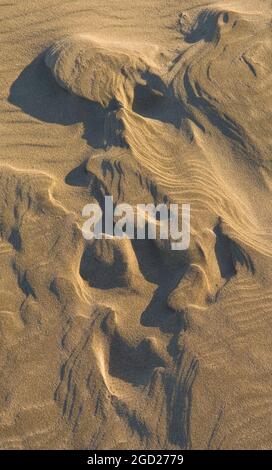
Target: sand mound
point(105, 72)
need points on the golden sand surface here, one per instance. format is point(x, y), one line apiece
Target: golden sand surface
point(126, 344)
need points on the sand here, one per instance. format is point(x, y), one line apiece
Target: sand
point(126, 344)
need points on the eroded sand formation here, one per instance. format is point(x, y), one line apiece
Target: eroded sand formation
point(126, 344)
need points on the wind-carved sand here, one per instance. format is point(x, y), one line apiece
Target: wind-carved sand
point(124, 343)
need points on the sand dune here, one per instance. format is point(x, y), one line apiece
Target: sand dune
point(126, 344)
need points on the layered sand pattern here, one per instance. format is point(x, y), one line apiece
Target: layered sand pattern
point(120, 344)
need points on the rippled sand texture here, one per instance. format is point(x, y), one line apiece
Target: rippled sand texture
point(126, 344)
